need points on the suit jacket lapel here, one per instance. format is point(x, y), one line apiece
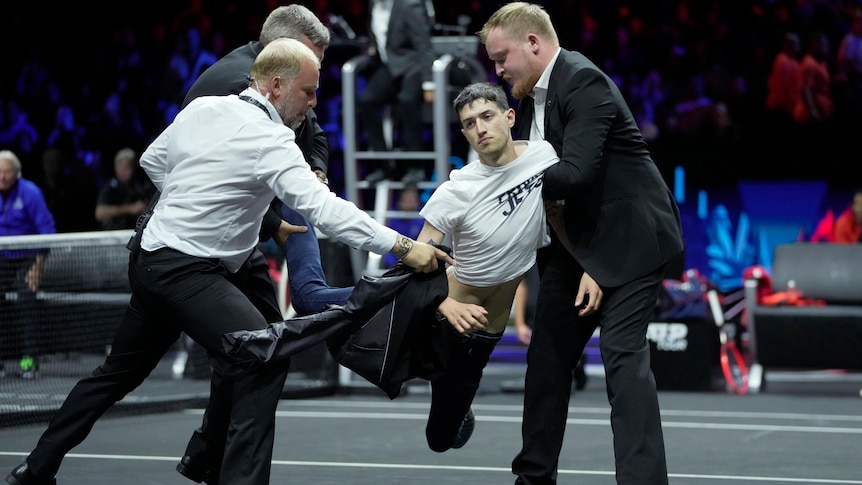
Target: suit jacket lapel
point(394, 13)
point(551, 99)
point(524, 119)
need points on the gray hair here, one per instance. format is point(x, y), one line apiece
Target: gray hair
point(485, 90)
point(293, 22)
point(10, 155)
point(123, 155)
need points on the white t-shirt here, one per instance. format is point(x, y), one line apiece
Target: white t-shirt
point(495, 215)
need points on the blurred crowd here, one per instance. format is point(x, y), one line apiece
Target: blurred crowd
point(696, 73)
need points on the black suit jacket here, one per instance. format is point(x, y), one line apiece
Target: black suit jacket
point(229, 75)
point(620, 215)
point(408, 39)
point(387, 332)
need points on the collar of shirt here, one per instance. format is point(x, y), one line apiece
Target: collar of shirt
point(539, 95)
point(254, 94)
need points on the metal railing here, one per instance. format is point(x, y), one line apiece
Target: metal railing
point(441, 121)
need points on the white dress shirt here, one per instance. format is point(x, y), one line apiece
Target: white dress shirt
point(218, 166)
point(540, 96)
point(381, 11)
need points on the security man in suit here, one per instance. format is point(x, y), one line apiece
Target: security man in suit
point(620, 228)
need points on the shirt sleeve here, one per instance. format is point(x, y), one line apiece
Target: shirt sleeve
point(286, 172)
point(445, 208)
point(154, 160)
point(40, 214)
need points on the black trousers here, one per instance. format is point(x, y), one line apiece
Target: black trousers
point(207, 444)
point(174, 293)
point(559, 338)
point(453, 392)
point(404, 95)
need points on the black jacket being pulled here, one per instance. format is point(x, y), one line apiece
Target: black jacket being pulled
point(388, 332)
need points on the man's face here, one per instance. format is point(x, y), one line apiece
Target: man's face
point(487, 128)
point(124, 170)
point(514, 61)
point(299, 96)
point(8, 174)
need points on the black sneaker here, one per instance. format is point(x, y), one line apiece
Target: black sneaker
point(22, 475)
point(377, 176)
point(414, 176)
point(466, 430)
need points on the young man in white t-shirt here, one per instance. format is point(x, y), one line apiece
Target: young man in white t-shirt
point(494, 212)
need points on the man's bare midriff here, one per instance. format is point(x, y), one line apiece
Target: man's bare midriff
point(496, 299)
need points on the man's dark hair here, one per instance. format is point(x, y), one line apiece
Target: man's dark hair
point(488, 91)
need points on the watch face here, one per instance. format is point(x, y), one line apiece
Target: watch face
point(405, 245)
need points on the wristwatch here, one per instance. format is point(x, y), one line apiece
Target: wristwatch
point(405, 244)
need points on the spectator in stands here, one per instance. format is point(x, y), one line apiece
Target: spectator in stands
point(849, 68)
point(218, 167)
point(814, 106)
point(783, 87)
point(19, 131)
point(124, 197)
point(398, 74)
point(67, 133)
point(118, 126)
point(70, 191)
point(199, 58)
point(22, 211)
point(848, 226)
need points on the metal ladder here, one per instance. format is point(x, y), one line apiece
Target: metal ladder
point(361, 261)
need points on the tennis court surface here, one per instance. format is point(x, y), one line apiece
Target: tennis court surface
point(805, 428)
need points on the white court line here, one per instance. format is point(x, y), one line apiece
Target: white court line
point(590, 422)
point(507, 470)
point(576, 410)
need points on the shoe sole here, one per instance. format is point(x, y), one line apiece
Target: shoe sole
point(13, 480)
point(461, 440)
point(190, 473)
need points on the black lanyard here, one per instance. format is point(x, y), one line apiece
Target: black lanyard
point(249, 99)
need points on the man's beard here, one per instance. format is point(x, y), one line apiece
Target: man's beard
point(296, 122)
point(523, 88)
